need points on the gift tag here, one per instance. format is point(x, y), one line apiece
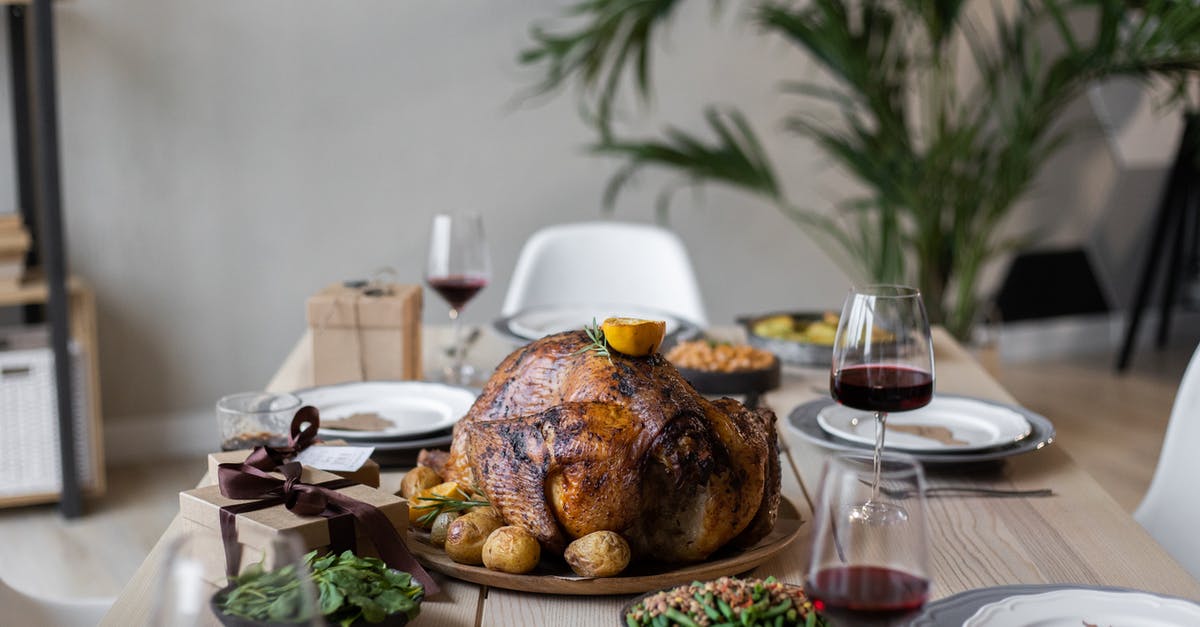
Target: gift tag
point(336, 458)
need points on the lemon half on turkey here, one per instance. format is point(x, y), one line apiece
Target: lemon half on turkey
point(634, 336)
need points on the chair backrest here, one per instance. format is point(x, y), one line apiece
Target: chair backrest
point(1170, 510)
point(606, 263)
point(20, 608)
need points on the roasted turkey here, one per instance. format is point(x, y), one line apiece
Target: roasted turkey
point(565, 441)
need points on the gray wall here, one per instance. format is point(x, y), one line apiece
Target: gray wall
point(224, 159)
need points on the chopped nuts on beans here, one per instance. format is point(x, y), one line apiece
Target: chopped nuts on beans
point(717, 357)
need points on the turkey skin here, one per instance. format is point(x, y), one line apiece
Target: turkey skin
point(565, 441)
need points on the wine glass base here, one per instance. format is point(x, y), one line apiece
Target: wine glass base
point(459, 375)
point(876, 513)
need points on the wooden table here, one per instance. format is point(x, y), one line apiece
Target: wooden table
point(1078, 536)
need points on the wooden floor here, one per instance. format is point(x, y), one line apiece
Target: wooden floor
point(40, 553)
point(1112, 425)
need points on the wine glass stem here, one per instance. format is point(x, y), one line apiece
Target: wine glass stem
point(458, 342)
point(880, 429)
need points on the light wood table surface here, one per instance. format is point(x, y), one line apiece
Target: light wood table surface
point(1080, 535)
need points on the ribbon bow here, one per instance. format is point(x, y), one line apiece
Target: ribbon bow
point(268, 458)
point(251, 483)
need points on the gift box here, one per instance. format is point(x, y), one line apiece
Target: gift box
point(368, 332)
point(367, 474)
point(200, 510)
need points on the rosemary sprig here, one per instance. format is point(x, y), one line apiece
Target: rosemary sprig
point(446, 504)
point(598, 345)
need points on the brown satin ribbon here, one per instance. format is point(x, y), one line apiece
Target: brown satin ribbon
point(250, 483)
point(269, 458)
point(300, 439)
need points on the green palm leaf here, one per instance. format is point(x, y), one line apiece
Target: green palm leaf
point(615, 36)
point(734, 157)
point(943, 163)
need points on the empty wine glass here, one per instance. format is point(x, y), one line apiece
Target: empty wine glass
point(182, 589)
point(865, 571)
point(882, 359)
point(194, 566)
point(457, 269)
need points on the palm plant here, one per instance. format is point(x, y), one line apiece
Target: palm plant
point(943, 162)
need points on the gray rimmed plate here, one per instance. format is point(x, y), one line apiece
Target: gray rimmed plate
point(404, 453)
point(804, 421)
point(954, 610)
point(534, 323)
point(416, 410)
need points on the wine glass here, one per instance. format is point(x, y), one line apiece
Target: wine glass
point(182, 591)
point(882, 361)
point(862, 571)
point(193, 568)
point(457, 269)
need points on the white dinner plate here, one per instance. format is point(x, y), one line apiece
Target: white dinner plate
point(537, 322)
point(1077, 607)
point(946, 424)
point(803, 420)
point(414, 408)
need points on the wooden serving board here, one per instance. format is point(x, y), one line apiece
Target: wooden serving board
point(553, 576)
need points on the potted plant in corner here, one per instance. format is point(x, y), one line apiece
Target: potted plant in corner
point(942, 162)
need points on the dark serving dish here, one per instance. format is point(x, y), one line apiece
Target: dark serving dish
point(739, 382)
point(790, 351)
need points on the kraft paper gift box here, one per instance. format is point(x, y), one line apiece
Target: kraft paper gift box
point(201, 511)
point(367, 474)
point(367, 333)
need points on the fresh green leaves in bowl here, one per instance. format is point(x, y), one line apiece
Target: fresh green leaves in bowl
point(350, 590)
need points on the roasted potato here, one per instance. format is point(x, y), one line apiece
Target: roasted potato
point(511, 550)
point(785, 327)
point(467, 534)
point(598, 554)
point(441, 525)
point(420, 505)
point(821, 333)
point(781, 326)
point(417, 479)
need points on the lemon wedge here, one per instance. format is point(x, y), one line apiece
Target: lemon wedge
point(633, 336)
point(421, 503)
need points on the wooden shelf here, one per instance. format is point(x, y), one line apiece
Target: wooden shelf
point(83, 332)
point(33, 292)
point(35, 139)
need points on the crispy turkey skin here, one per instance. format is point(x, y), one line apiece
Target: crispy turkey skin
point(565, 442)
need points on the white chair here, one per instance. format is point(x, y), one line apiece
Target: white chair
point(28, 610)
point(1170, 510)
point(573, 264)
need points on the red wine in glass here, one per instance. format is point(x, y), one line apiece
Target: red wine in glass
point(864, 595)
point(885, 388)
point(882, 362)
point(457, 290)
point(458, 267)
point(869, 560)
